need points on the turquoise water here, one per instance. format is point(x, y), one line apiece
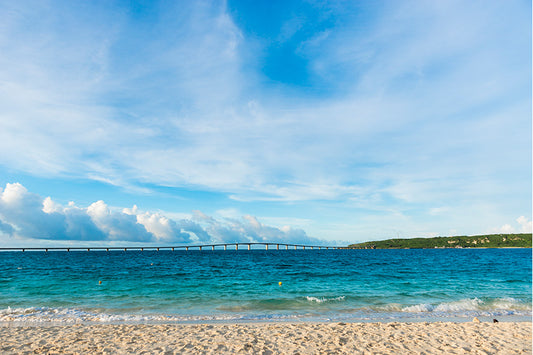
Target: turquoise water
point(320, 285)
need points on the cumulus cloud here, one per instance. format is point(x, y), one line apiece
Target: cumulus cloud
point(116, 225)
point(26, 215)
point(506, 228)
point(161, 227)
point(249, 229)
point(523, 225)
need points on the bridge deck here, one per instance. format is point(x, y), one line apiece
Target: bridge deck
point(219, 246)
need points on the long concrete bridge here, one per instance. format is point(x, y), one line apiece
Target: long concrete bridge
point(221, 246)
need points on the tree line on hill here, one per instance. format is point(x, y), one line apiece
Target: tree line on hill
point(522, 240)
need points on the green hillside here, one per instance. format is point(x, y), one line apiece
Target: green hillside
point(477, 241)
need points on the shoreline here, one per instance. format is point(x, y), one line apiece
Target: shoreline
point(30, 317)
point(272, 338)
point(406, 320)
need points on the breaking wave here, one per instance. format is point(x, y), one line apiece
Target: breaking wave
point(42, 315)
point(457, 309)
point(475, 304)
point(325, 299)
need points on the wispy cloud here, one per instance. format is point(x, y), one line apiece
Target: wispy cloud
point(176, 110)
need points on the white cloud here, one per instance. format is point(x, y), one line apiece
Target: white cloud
point(161, 227)
point(506, 228)
point(524, 225)
point(250, 229)
point(436, 211)
point(49, 206)
point(25, 215)
point(116, 225)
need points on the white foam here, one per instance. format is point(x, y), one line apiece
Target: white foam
point(325, 299)
point(424, 307)
point(460, 308)
point(509, 303)
point(39, 315)
point(472, 305)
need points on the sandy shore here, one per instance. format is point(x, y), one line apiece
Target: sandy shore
point(272, 338)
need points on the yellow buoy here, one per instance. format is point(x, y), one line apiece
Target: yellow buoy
point(279, 283)
point(99, 282)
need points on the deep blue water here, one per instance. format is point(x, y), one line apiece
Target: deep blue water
point(181, 286)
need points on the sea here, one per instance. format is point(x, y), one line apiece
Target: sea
point(60, 287)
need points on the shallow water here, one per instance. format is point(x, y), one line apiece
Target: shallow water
point(321, 285)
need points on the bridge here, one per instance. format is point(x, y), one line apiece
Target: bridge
point(220, 246)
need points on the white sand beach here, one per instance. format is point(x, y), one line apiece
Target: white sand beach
point(272, 338)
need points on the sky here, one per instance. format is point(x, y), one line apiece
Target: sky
point(317, 122)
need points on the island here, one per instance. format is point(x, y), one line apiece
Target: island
point(522, 240)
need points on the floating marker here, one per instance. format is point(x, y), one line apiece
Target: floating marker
point(99, 282)
point(280, 283)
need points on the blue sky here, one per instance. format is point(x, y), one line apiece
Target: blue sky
point(299, 121)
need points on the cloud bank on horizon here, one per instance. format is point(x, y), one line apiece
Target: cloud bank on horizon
point(26, 217)
point(367, 118)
